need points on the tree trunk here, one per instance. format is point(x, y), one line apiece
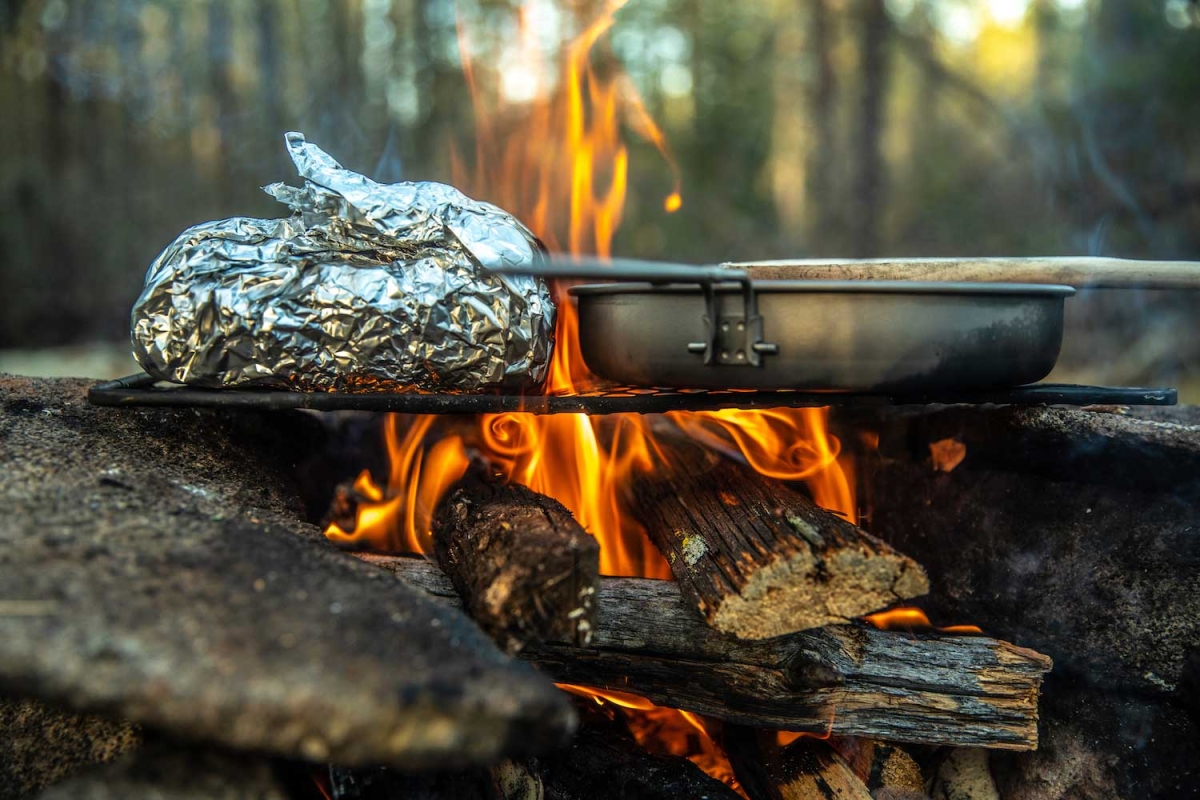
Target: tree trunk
point(869, 174)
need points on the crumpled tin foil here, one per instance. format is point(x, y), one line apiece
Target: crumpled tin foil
point(366, 286)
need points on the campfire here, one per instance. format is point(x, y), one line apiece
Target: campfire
point(577, 588)
point(749, 512)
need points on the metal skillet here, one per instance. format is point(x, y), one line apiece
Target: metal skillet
point(717, 328)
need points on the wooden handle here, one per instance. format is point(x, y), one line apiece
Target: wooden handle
point(1078, 271)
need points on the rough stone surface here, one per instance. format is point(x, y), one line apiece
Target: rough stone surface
point(166, 772)
point(1078, 534)
point(1103, 578)
point(40, 745)
point(1152, 448)
point(1104, 744)
point(152, 569)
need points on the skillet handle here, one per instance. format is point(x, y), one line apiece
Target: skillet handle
point(1078, 271)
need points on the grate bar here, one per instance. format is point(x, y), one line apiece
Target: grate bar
point(143, 391)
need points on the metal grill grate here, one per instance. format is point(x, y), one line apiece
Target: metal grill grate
point(142, 390)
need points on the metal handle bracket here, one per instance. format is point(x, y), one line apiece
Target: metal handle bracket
point(733, 341)
point(729, 341)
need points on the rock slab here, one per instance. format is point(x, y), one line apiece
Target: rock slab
point(153, 568)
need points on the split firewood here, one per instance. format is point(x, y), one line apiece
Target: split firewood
point(884, 767)
point(759, 559)
point(846, 679)
point(526, 570)
point(804, 769)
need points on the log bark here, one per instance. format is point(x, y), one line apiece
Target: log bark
point(848, 679)
point(526, 570)
point(759, 559)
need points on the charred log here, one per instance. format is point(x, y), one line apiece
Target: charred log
point(851, 679)
point(806, 768)
point(759, 559)
point(605, 761)
point(526, 570)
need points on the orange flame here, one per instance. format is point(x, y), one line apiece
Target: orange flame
point(555, 158)
point(666, 730)
point(398, 518)
point(521, 162)
point(909, 619)
point(563, 456)
point(791, 444)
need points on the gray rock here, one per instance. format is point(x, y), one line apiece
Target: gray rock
point(153, 568)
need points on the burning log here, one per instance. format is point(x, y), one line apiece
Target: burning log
point(805, 768)
point(759, 559)
point(605, 761)
point(526, 570)
point(848, 679)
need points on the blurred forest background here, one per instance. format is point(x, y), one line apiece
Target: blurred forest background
point(801, 128)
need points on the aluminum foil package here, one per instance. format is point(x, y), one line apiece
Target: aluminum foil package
point(366, 286)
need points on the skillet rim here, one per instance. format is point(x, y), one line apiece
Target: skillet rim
point(831, 287)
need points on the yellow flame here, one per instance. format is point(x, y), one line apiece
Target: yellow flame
point(666, 730)
point(909, 619)
point(560, 164)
